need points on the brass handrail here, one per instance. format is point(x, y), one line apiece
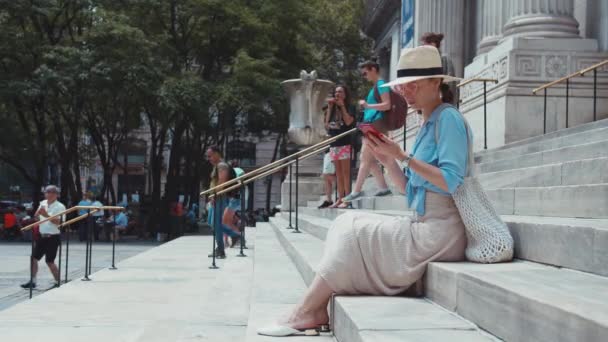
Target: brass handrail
point(267, 173)
point(559, 80)
point(257, 171)
point(593, 67)
point(476, 79)
point(67, 211)
point(575, 74)
point(78, 218)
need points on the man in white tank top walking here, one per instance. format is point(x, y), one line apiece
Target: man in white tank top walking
point(49, 234)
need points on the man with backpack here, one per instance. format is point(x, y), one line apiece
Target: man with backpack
point(226, 205)
point(386, 112)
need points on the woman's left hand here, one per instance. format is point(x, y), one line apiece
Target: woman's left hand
point(385, 147)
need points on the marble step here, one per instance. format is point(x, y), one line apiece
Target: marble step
point(542, 138)
point(586, 137)
point(597, 149)
point(579, 244)
point(277, 287)
point(580, 201)
point(586, 171)
point(378, 318)
point(518, 301)
point(523, 301)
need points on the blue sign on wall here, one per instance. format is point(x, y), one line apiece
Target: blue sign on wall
point(407, 23)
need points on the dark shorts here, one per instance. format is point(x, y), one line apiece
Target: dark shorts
point(46, 246)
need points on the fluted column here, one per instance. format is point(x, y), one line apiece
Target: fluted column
point(447, 17)
point(541, 18)
point(492, 22)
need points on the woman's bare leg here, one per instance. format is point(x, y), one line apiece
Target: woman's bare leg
point(328, 186)
point(312, 310)
point(345, 175)
point(339, 180)
point(369, 164)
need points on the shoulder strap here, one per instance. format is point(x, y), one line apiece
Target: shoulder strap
point(377, 93)
point(470, 157)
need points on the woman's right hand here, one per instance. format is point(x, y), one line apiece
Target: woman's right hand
point(381, 157)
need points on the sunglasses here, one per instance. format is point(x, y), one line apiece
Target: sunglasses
point(411, 86)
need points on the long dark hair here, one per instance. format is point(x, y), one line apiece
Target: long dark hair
point(347, 100)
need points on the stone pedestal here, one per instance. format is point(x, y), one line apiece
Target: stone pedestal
point(311, 185)
point(540, 43)
point(522, 64)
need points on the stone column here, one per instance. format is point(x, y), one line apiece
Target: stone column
point(492, 22)
point(447, 17)
point(541, 18)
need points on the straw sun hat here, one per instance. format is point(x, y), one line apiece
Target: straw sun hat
point(420, 63)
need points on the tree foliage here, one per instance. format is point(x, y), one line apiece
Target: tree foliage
point(190, 72)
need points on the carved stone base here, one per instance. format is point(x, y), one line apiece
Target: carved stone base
point(520, 65)
point(311, 185)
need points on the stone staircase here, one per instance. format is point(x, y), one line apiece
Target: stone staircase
point(553, 193)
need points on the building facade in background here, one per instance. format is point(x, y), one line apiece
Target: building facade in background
point(521, 43)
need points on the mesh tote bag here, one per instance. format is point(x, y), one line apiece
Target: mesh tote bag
point(488, 237)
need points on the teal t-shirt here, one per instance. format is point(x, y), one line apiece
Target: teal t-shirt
point(371, 115)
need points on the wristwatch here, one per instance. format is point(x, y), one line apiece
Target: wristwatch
point(406, 162)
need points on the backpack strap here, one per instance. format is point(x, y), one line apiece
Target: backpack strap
point(470, 158)
point(377, 93)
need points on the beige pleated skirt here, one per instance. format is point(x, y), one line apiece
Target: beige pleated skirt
point(379, 255)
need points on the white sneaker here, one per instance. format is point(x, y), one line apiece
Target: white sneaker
point(352, 196)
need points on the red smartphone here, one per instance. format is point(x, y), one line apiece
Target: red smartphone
point(368, 128)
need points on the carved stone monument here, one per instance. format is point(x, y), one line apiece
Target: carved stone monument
point(307, 96)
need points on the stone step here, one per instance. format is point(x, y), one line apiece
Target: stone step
point(518, 301)
point(586, 171)
point(523, 301)
point(277, 287)
point(596, 149)
point(549, 136)
point(581, 201)
point(580, 244)
point(377, 318)
point(587, 137)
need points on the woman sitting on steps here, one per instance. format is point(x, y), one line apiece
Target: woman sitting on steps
point(379, 255)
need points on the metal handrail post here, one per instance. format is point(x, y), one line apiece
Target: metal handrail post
point(297, 230)
point(60, 252)
point(545, 113)
point(290, 199)
point(32, 266)
point(215, 227)
point(114, 243)
point(241, 253)
point(91, 250)
point(67, 253)
point(594, 94)
point(485, 117)
point(567, 99)
point(88, 239)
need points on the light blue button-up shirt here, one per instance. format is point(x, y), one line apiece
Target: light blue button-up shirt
point(449, 153)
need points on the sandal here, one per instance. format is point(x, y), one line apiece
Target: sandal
point(284, 331)
point(337, 204)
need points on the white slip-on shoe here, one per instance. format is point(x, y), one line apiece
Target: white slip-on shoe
point(284, 331)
